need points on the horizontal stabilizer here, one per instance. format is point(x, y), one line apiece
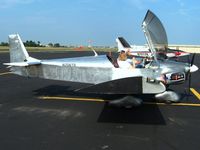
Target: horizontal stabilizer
point(22, 64)
point(31, 61)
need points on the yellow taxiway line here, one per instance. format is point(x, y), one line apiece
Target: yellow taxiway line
point(72, 99)
point(5, 73)
point(195, 93)
point(173, 104)
point(102, 100)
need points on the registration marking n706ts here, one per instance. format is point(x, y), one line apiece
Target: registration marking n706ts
point(69, 65)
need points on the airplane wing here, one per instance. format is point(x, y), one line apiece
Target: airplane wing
point(119, 86)
point(128, 85)
point(176, 53)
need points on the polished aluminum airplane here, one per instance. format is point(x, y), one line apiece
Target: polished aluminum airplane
point(103, 72)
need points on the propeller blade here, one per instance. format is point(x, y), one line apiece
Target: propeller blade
point(189, 82)
point(193, 68)
point(192, 60)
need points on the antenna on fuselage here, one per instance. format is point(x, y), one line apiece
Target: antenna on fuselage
point(90, 46)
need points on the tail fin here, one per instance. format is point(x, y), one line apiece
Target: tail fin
point(122, 44)
point(17, 50)
point(18, 53)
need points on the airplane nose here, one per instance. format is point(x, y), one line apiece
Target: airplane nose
point(193, 68)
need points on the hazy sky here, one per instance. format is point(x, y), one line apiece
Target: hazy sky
point(77, 21)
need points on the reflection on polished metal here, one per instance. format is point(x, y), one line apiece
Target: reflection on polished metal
point(5, 73)
point(169, 96)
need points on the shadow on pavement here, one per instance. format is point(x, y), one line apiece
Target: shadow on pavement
point(147, 115)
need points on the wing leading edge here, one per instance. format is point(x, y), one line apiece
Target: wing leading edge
point(130, 85)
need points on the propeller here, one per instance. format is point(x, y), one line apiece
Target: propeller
point(193, 68)
point(189, 82)
point(192, 60)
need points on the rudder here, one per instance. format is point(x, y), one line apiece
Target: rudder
point(18, 52)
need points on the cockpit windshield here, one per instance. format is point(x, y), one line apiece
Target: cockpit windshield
point(155, 32)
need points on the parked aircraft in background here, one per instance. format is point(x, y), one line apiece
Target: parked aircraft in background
point(144, 51)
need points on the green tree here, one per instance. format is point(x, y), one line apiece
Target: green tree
point(56, 45)
point(38, 43)
point(30, 43)
point(50, 44)
point(4, 44)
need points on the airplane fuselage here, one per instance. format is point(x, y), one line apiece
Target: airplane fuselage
point(93, 70)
